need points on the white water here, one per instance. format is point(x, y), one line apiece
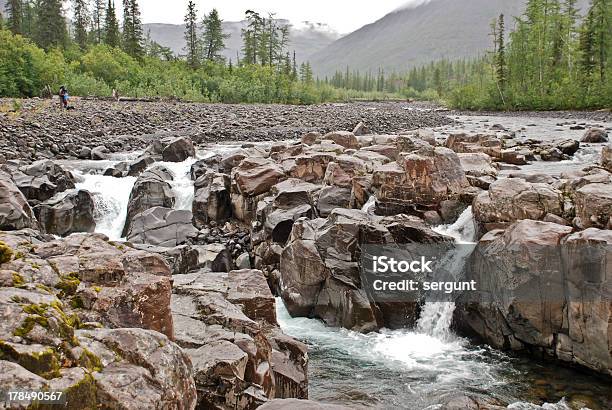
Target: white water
point(181, 183)
point(111, 197)
point(463, 230)
point(437, 361)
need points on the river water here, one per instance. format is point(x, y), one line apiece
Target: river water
point(419, 368)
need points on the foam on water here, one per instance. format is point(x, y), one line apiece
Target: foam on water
point(182, 184)
point(111, 197)
point(463, 230)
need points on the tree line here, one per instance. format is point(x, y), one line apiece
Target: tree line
point(554, 57)
point(103, 49)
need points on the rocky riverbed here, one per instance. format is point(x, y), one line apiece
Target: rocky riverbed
point(37, 129)
point(142, 251)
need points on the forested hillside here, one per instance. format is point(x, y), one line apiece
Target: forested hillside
point(98, 54)
point(549, 57)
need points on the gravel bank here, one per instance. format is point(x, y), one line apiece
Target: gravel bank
point(39, 129)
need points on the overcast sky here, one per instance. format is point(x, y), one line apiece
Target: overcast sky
point(342, 15)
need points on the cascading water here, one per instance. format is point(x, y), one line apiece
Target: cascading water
point(182, 184)
point(436, 317)
point(421, 368)
point(111, 197)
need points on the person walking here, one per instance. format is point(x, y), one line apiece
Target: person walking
point(63, 95)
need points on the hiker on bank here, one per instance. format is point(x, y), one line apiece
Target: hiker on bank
point(63, 95)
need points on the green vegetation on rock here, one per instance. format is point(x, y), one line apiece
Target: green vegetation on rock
point(6, 253)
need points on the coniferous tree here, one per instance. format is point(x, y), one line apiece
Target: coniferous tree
point(500, 57)
point(250, 37)
point(133, 37)
point(587, 48)
point(111, 26)
point(80, 23)
point(602, 32)
point(192, 47)
point(97, 21)
point(29, 17)
point(14, 12)
point(50, 24)
point(213, 37)
point(294, 70)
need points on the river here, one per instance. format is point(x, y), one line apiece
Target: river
point(412, 368)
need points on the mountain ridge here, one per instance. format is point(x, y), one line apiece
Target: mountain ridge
point(417, 35)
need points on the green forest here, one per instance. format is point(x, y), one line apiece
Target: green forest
point(551, 57)
point(99, 54)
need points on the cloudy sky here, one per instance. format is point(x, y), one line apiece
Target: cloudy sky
point(342, 15)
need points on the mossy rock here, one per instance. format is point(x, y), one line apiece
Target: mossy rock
point(82, 395)
point(41, 360)
point(90, 361)
point(69, 284)
point(6, 253)
point(18, 280)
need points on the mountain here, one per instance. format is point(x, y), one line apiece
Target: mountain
point(305, 38)
point(418, 33)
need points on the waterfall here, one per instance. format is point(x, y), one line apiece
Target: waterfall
point(111, 197)
point(368, 207)
point(182, 184)
point(436, 316)
point(463, 230)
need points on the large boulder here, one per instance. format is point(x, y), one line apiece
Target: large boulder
point(332, 197)
point(320, 268)
point(477, 164)
point(227, 324)
point(151, 189)
point(42, 180)
point(343, 169)
point(606, 157)
point(92, 319)
point(69, 214)
point(422, 178)
point(595, 135)
point(290, 200)
point(594, 206)
point(162, 227)
point(181, 259)
point(255, 176)
point(177, 149)
point(471, 143)
point(251, 181)
point(343, 138)
point(15, 212)
point(542, 288)
point(212, 199)
point(309, 167)
point(511, 199)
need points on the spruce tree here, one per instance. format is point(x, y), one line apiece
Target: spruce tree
point(213, 37)
point(587, 48)
point(500, 60)
point(251, 37)
point(50, 28)
point(97, 23)
point(29, 17)
point(80, 23)
point(133, 37)
point(602, 31)
point(111, 26)
point(14, 12)
point(192, 47)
